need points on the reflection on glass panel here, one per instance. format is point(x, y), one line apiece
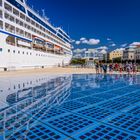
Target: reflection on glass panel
point(23, 98)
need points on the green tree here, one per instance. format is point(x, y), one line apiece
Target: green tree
point(78, 61)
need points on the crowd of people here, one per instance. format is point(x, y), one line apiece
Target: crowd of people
point(130, 68)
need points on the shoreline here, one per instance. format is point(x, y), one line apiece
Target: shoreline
point(50, 71)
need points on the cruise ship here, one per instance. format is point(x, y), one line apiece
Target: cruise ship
point(28, 40)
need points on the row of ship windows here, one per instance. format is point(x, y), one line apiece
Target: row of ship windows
point(23, 17)
point(26, 53)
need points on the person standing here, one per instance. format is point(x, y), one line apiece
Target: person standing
point(120, 68)
point(110, 68)
point(97, 68)
point(101, 67)
point(134, 68)
point(105, 68)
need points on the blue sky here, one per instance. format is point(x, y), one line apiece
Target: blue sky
point(111, 23)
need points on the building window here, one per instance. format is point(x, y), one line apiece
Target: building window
point(1, 24)
point(16, 12)
point(22, 16)
point(9, 28)
point(0, 2)
point(7, 7)
point(28, 19)
point(13, 51)
point(19, 32)
point(28, 35)
point(12, 18)
point(1, 16)
point(8, 50)
point(17, 21)
point(21, 23)
point(7, 16)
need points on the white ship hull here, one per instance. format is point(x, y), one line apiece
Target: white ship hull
point(15, 59)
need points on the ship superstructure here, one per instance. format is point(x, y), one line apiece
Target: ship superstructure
point(29, 40)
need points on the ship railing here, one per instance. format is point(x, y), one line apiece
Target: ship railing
point(36, 12)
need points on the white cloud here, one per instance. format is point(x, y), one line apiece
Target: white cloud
point(120, 49)
point(113, 45)
point(91, 41)
point(72, 41)
point(132, 46)
point(103, 51)
point(135, 44)
point(79, 50)
point(82, 38)
point(108, 39)
point(124, 45)
point(77, 42)
point(103, 48)
point(84, 41)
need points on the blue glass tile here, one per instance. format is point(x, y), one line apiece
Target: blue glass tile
point(90, 100)
point(105, 132)
point(72, 105)
point(135, 111)
point(128, 122)
point(112, 105)
point(95, 113)
point(38, 131)
point(48, 114)
point(70, 124)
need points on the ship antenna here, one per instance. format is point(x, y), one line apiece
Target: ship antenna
point(44, 15)
point(32, 7)
point(38, 12)
point(68, 29)
point(25, 1)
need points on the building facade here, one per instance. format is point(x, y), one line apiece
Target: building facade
point(129, 54)
point(90, 54)
point(137, 53)
point(116, 54)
